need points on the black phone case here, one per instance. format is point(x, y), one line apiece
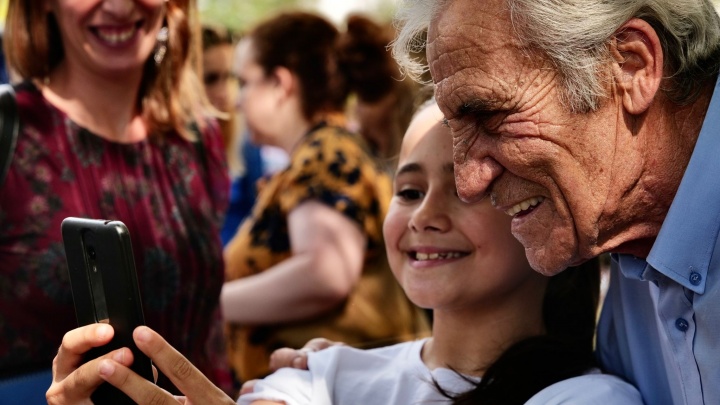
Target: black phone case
point(104, 286)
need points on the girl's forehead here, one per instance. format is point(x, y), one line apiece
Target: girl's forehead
point(426, 122)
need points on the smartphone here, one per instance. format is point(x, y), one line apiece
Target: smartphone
point(105, 290)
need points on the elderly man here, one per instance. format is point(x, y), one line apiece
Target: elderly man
point(594, 124)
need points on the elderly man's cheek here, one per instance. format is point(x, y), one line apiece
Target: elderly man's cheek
point(518, 127)
point(462, 137)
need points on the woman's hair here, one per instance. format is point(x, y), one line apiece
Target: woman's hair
point(391, 98)
point(574, 36)
point(170, 95)
point(566, 349)
point(329, 65)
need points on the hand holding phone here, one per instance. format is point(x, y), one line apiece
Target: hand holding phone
point(105, 290)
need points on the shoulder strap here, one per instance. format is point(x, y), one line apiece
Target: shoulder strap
point(8, 128)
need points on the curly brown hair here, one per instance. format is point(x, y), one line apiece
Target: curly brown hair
point(329, 64)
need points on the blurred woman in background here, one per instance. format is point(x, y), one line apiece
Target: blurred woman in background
point(218, 79)
point(309, 261)
point(244, 158)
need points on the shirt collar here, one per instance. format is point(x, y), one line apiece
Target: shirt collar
point(685, 244)
point(631, 267)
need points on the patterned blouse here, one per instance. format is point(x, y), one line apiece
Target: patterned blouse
point(332, 166)
point(171, 199)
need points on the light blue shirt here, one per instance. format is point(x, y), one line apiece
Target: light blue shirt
point(660, 324)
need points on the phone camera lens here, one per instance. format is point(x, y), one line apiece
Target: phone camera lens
point(91, 252)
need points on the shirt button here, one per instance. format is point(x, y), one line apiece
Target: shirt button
point(695, 278)
point(682, 325)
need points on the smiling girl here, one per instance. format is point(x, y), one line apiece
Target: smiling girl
point(502, 333)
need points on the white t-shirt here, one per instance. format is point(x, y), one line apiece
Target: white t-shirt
point(397, 375)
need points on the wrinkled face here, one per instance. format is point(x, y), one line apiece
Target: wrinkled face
point(218, 78)
point(108, 36)
point(257, 99)
point(448, 254)
point(548, 169)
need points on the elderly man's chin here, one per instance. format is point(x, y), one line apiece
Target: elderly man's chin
point(549, 264)
point(552, 254)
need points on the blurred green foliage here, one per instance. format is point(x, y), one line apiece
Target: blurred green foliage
point(239, 15)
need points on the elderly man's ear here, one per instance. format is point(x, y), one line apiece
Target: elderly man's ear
point(638, 65)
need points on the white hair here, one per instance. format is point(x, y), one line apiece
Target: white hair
point(412, 20)
point(574, 36)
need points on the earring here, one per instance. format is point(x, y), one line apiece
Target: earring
point(161, 47)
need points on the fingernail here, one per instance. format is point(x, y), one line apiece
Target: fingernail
point(142, 334)
point(102, 331)
point(119, 356)
point(106, 368)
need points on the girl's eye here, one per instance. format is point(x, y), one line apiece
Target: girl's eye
point(410, 194)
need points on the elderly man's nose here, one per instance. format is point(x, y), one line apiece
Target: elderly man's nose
point(473, 177)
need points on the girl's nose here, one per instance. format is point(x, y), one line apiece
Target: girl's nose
point(431, 215)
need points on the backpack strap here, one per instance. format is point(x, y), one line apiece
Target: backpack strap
point(8, 128)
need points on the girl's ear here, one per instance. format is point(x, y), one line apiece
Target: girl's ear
point(638, 64)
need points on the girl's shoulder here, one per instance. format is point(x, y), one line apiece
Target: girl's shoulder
point(410, 350)
point(593, 388)
point(343, 374)
point(347, 357)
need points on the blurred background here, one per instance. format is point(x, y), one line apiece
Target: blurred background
point(238, 15)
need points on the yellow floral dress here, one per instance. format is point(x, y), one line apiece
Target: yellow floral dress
point(332, 166)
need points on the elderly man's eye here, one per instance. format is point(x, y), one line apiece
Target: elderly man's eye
point(480, 113)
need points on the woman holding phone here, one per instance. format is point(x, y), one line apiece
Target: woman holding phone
point(113, 125)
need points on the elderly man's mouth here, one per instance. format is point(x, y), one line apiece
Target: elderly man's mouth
point(524, 207)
